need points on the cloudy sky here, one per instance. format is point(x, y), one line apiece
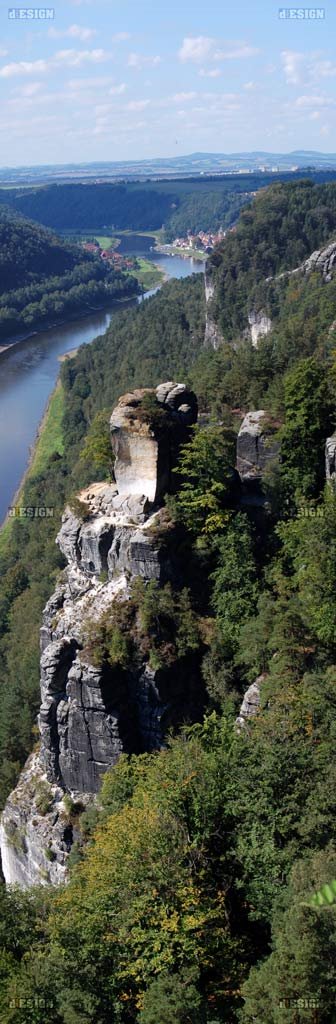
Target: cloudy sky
point(119, 79)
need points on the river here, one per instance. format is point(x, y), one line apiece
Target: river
point(29, 370)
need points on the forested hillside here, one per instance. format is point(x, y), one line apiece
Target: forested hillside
point(42, 278)
point(178, 205)
point(284, 226)
point(190, 893)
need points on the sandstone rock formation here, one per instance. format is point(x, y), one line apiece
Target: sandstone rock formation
point(145, 445)
point(260, 325)
point(251, 703)
point(213, 335)
point(256, 448)
point(89, 715)
point(330, 458)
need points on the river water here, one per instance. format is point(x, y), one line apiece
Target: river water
point(29, 370)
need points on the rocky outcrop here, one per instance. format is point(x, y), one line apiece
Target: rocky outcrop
point(330, 458)
point(92, 712)
point(256, 447)
point(213, 336)
point(321, 260)
point(251, 703)
point(144, 438)
point(36, 833)
point(260, 325)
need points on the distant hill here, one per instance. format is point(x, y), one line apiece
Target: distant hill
point(179, 204)
point(193, 163)
point(28, 252)
point(43, 279)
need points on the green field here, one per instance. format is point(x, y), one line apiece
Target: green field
point(147, 273)
point(49, 441)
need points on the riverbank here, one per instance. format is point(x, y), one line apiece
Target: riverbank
point(148, 273)
point(174, 250)
point(29, 374)
point(48, 441)
point(148, 276)
point(71, 319)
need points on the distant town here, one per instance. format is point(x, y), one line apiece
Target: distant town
point(115, 258)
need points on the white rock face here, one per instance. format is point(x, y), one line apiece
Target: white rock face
point(35, 845)
point(260, 325)
point(330, 458)
point(143, 445)
point(251, 703)
point(213, 336)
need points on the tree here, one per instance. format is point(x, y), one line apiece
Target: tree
point(207, 480)
point(308, 422)
point(97, 449)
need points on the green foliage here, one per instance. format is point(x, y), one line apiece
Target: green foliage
point(59, 278)
point(43, 797)
point(156, 623)
point(172, 999)
point(283, 226)
point(97, 450)
point(325, 896)
point(206, 480)
point(308, 421)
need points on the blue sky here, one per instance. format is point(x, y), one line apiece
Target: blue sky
point(116, 80)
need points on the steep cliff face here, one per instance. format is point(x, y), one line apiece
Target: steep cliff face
point(90, 712)
point(259, 323)
point(213, 336)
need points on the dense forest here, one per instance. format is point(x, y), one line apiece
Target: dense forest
point(190, 897)
point(43, 278)
point(178, 205)
point(285, 225)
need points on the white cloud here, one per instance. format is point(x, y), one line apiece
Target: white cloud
point(3, 53)
point(97, 82)
point(138, 104)
point(325, 130)
point(201, 48)
point(137, 61)
point(74, 58)
point(23, 67)
point(182, 97)
point(292, 63)
point(315, 115)
point(211, 73)
point(29, 90)
point(314, 101)
point(69, 58)
point(323, 69)
point(309, 67)
point(196, 48)
point(249, 86)
point(118, 90)
point(74, 32)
